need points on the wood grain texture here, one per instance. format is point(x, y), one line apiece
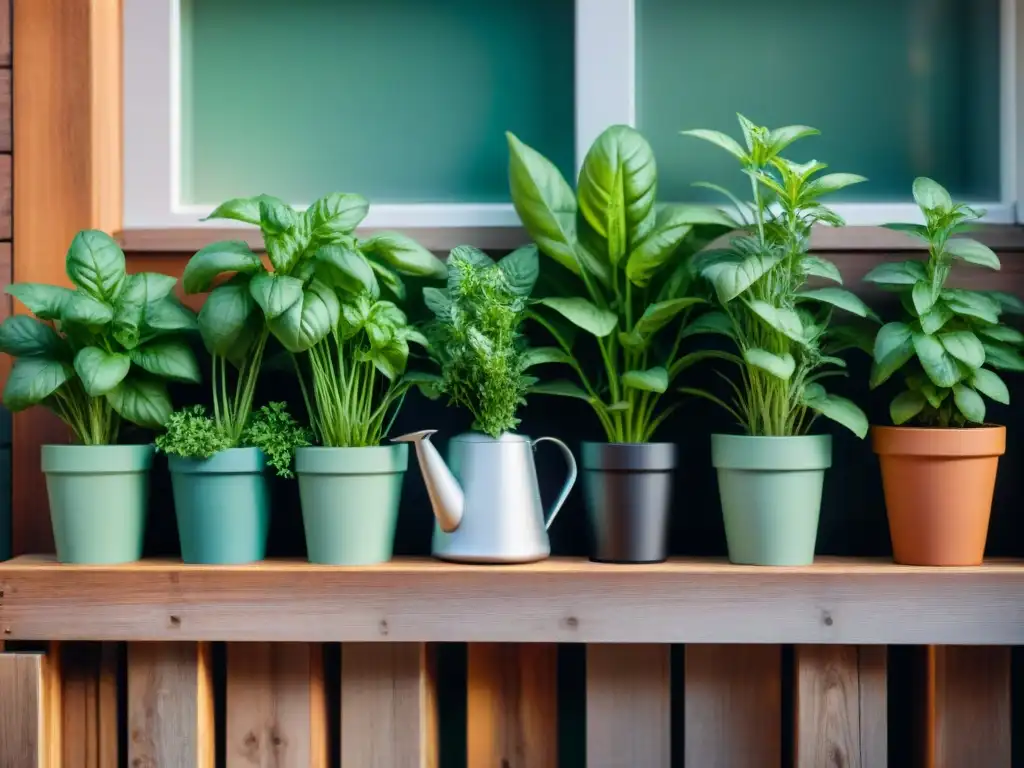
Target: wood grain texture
point(873, 666)
point(5, 106)
point(276, 706)
point(835, 601)
point(22, 711)
point(388, 706)
point(733, 700)
point(512, 705)
point(969, 703)
point(5, 34)
point(170, 705)
point(628, 706)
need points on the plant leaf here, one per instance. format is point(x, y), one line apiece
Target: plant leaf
point(990, 384)
point(99, 370)
point(312, 318)
point(838, 409)
point(914, 230)
point(141, 289)
point(935, 318)
point(971, 304)
point(931, 195)
point(227, 321)
point(651, 380)
point(897, 273)
point(660, 314)
point(168, 359)
point(347, 269)
point(389, 280)
point(830, 182)
point(731, 278)
point(1003, 333)
point(720, 139)
point(562, 388)
point(972, 252)
point(673, 223)
point(780, 366)
point(709, 322)
point(215, 259)
point(521, 268)
point(541, 355)
point(1003, 357)
point(969, 403)
point(965, 347)
point(404, 255)
point(905, 406)
point(785, 321)
point(1007, 302)
point(82, 309)
point(95, 263)
point(583, 314)
point(338, 213)
point(141, 400)
point(44, 301)
point(32, 380)
point(245, 209)
point(437, 301)
point(819, 267)
point(24, 336)
point(841, 298)
point(167, 315)
point(923, 297)
point(275, 293)
point(781, 138)
point(893, 348)
point(938, 364)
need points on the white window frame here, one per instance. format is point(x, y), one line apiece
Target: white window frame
point(605, 95)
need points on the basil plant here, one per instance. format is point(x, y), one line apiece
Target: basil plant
point(626, 278)
point(950, 338)
point(783, 329)
point(101, 353)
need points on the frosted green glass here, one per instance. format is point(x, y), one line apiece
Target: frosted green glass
point(400, 100)
point(899, 88)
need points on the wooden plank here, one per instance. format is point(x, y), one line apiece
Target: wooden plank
point(834, 601)
point(170, 705)
point(22, 711)
point(276, 706)
point(5, 106)
point(733, 700)
point(5, 197)
point(969, 706)
point(874, 705)
point(388, 706)
point(629, 712)
point(67, 173)
point(512, 705)
point(5, 34)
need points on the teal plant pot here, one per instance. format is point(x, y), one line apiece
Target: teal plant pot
point(349, 500)
point(223, 506)
point(770, 489)
point(98, 501)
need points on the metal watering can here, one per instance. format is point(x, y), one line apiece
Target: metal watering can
point(486, 499)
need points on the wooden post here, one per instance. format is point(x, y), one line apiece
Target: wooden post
point(23, 712)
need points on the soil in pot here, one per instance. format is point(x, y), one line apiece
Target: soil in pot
point(350, 500)
point(628, 493)
point(938, 487)
point(99, 497)
point(770, 488)
point(223, 506)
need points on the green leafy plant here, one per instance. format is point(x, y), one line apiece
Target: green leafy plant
point(782, 328)
point(101, 353)
point(948, 335)
point(625, 277)
point(476, 337)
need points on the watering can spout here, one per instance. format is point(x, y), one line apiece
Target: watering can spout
point(445, 493)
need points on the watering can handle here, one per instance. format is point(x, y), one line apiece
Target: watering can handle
point(570, 480)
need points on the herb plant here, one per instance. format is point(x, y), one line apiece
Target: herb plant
point(476, 337)
point(782, 329)
point(625, 279)
point(948, 334)
point(98, 354)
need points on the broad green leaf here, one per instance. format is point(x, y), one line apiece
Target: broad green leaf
point(781, 138)
point(404, 255)
point(167, 315)
point(214, 260)
point(1002, 356)
point(1003, 333)
point(709, 322)
point(140, 290)
point(785, 321)
point(651, 380)
point(99, 370)
point(897, 273)
point(347, 269)
point(836, 408)
point(990, 384)
point(437, 301)
point(893, 348)
point(541, 355)
point(44, 301)
point(934, 395)
point(389, 280)
point(780, 366)
point(82, 309)
point(429, 384)
point(633, 340)
point(831, 182)
point(1007, 302)
point(277, 217)
point(672, 225)
point(168, 359)
point(972, 252)
point(24, 336)
point(914, 230)
point(935, 318)
point(562, 388)
point(521, 268)
point(965, 347)
point(310, 319)
point(938, 364)
point(731, 278)
point(720, 139)
point(923, 297)
point(141, 400)
point(275, 293)
point(819, 267)
point(32, 380)
point(245, 209)
point(841, 298)
point(284, 249)
point(228, 322)
point(969, 403)
point(661, 313)
point(971, 304)
point(338, 213)
point(905, 406)
point(931, 195)
point(583, 314)
point(95, 263)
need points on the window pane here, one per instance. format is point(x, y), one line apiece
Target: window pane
point(401, 100)
point(898, 88)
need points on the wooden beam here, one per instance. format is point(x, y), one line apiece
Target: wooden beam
point(23, 719)
point(512, 705)
point(170, 705)
point(388, 706)
point(88, 703)
point(629, 712)
point(276, 706)
point(733, 701)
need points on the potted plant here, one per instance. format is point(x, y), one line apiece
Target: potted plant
point(939, 461)
point(770, 478)
point(622, 275)
point(97, 356)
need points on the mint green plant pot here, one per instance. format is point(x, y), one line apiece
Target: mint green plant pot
point(350, 502)
point(222, 505)
point(98, 501)
point(770, 489)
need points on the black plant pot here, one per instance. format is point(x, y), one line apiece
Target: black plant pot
point(628, 491)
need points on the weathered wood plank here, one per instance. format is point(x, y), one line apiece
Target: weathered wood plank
point(873, 665)
point(5, 105)
point(5, 34)
point(83, 677)
point(733, 700)
point(276, 706)
point(23, 721)
point(628, 706)
point(388, 706)
point(170, 705)
point(512, 705)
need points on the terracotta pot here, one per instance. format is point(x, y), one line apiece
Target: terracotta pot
point(938, 491)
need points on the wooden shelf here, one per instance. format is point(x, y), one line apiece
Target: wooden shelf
point(856, 601)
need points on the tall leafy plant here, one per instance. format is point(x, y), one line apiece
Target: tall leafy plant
point(475, 336)
point(625, 279)
point(783, 329)
point(948, 335)
point(101, 353)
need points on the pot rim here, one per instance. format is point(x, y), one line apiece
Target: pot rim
point(247, 460)
point(627, 457)
point(790, 453)
point(365, 460)
point(69, 459)
point(939, 442)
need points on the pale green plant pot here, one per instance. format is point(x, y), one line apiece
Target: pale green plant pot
point(223, 506)
point(99, 495)
point(350, 500)
point(770, 489)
